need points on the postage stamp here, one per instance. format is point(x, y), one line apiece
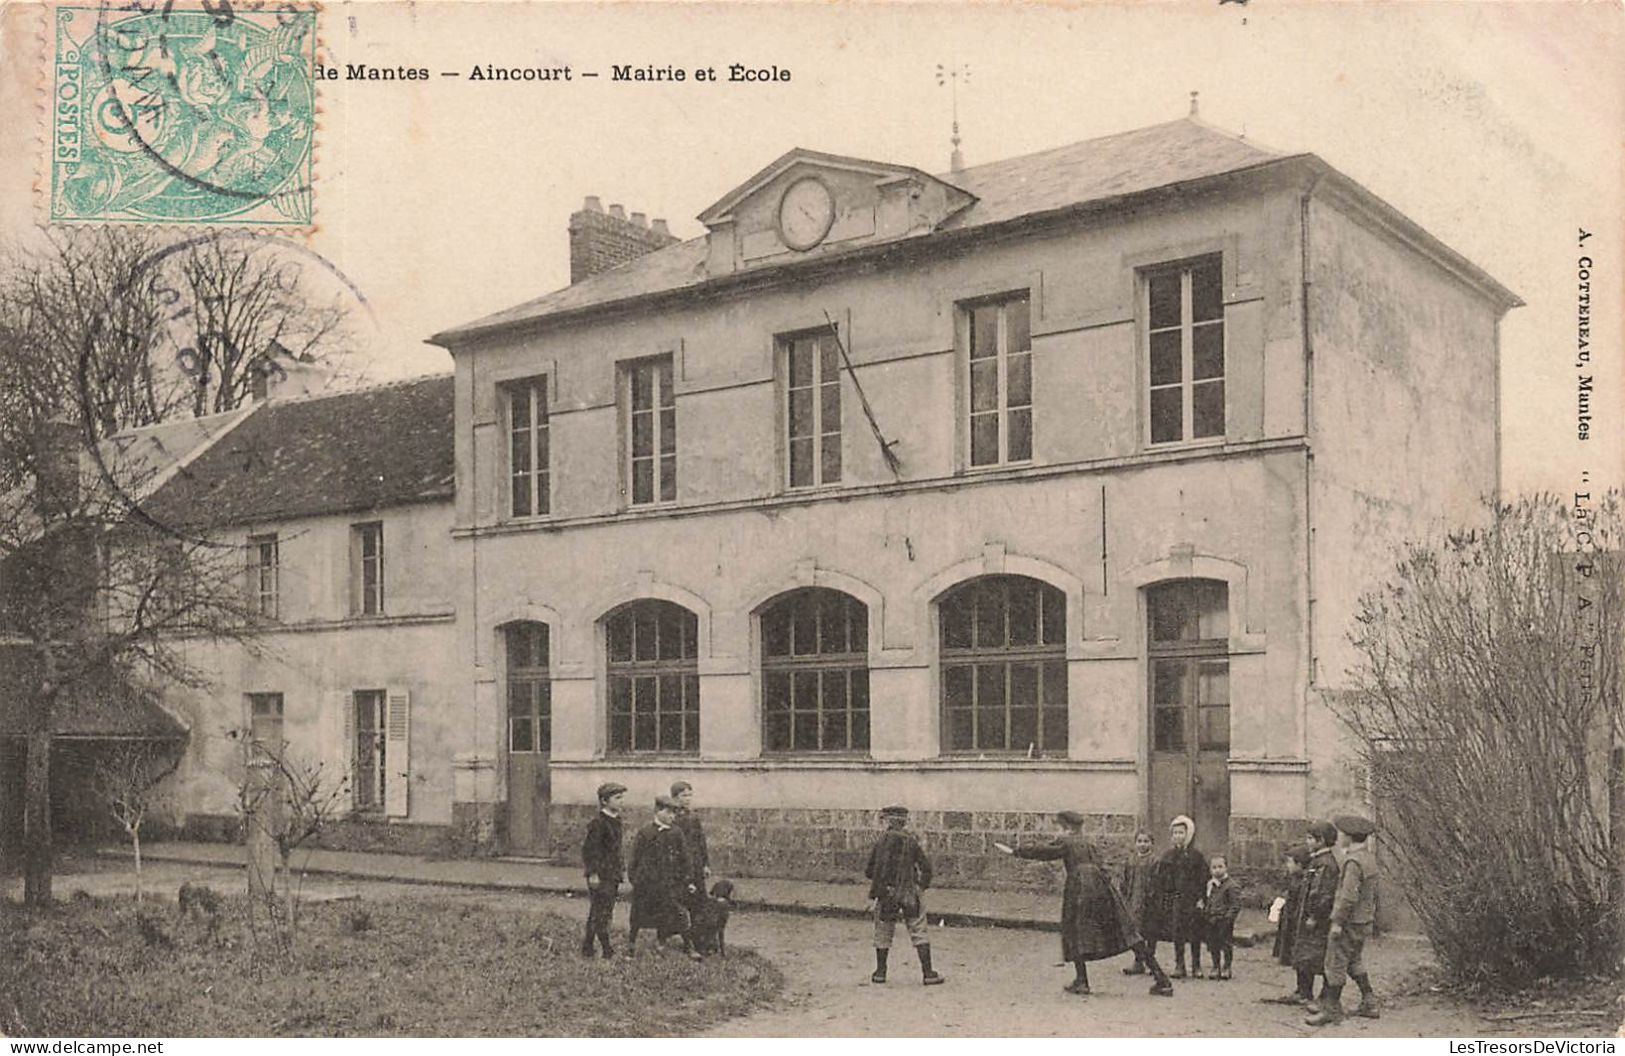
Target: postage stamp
point(183, 112)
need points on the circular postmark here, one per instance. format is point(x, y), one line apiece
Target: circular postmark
point(184, 112)
point(191, 349)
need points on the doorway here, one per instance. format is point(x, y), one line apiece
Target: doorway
point(530, 737)
point(1188, 633)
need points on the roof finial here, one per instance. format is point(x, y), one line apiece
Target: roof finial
point(1194, 111)
point(951, 75)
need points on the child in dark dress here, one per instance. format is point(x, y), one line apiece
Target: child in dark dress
point(1135, 884)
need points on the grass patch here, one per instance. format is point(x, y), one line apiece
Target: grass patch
point(409, 967)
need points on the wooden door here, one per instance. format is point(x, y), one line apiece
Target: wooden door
point(530, 737)
point(529, 793)
point(1189, 690)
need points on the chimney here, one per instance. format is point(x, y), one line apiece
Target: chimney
point(600, 241)
point(56, 466)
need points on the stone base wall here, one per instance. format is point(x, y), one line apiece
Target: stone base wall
point(833, 845)
point(350, 834)
point(478, 830)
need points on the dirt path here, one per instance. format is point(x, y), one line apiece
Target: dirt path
point(1000, 982)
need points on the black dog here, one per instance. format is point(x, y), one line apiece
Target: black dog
point(710, 920)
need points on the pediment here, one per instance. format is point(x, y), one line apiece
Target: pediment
point(848, 202)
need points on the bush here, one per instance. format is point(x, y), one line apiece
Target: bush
point(1486, 705)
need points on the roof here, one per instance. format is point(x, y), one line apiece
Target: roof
point(141, 460)
point(1092, 172)
point(366, 449)
point(1098, 169)
point(103, 705)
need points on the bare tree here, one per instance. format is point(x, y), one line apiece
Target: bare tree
point(253, 308)
point(130, 781)
point(1486, 707)
point(95, 327)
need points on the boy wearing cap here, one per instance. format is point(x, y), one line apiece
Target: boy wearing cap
point(1353, 911)
point(601, 856)
point(1314, 912)
point(660, 873)
point(898, 873)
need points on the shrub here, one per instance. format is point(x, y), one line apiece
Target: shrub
point(1486, 706)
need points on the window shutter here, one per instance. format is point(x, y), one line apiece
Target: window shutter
point(340, 727)
point(397, 750)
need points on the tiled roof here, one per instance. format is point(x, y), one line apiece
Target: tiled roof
point(367, 449)
point(1093, 170)
point(141, 460)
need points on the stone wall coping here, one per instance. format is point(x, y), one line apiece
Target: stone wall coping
point(847, 763)
point(1269, 766)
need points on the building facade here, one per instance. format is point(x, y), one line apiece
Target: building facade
point(1047, 483)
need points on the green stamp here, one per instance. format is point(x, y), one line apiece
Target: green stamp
point(167, 111)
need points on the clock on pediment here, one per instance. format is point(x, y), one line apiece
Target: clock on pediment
point(806, 213)
point(807, 203)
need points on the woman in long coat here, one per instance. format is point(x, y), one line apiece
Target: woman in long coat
point(1095, 922)
point(1174, 911)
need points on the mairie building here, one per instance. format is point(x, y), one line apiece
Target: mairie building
point(1045, 483)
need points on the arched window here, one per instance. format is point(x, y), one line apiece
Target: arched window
point(530, 692)
point(654, 681)
point(1003, 657)
point(815, 673)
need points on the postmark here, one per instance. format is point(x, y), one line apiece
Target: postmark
point(183, 112)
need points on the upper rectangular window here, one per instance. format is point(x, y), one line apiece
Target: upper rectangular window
point(263, 561)
point(812, 413)
point(1184, 320)
point(367, 542)
point(651, 431)
point(528, 462)
point(999, 382)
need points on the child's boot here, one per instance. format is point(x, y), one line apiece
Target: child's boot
point(1080, 982)
point(1331, 1008)
point(880, 966)
point(1368, 1000)
point(927, 975)
point(1161, 987)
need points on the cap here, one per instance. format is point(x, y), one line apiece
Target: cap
point(610, 788)
point(679, 787)
point(1325, 831)
point(1070, 817)
point(1355, 824)
point(667, 803)
point(894, 811)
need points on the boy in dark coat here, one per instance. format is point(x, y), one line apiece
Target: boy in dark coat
point(1095, 921)
point(1287, 916)
point(899, 872)
point(661, 884)
point(1221, 906)
point(1135, 884)
point(1176, 904)
point(1314, 911)
point(699, 856)
point(1354, 910)
point(601, 856)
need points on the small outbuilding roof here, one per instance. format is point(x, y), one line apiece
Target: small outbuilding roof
point(100, 705)
point(366, 449)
